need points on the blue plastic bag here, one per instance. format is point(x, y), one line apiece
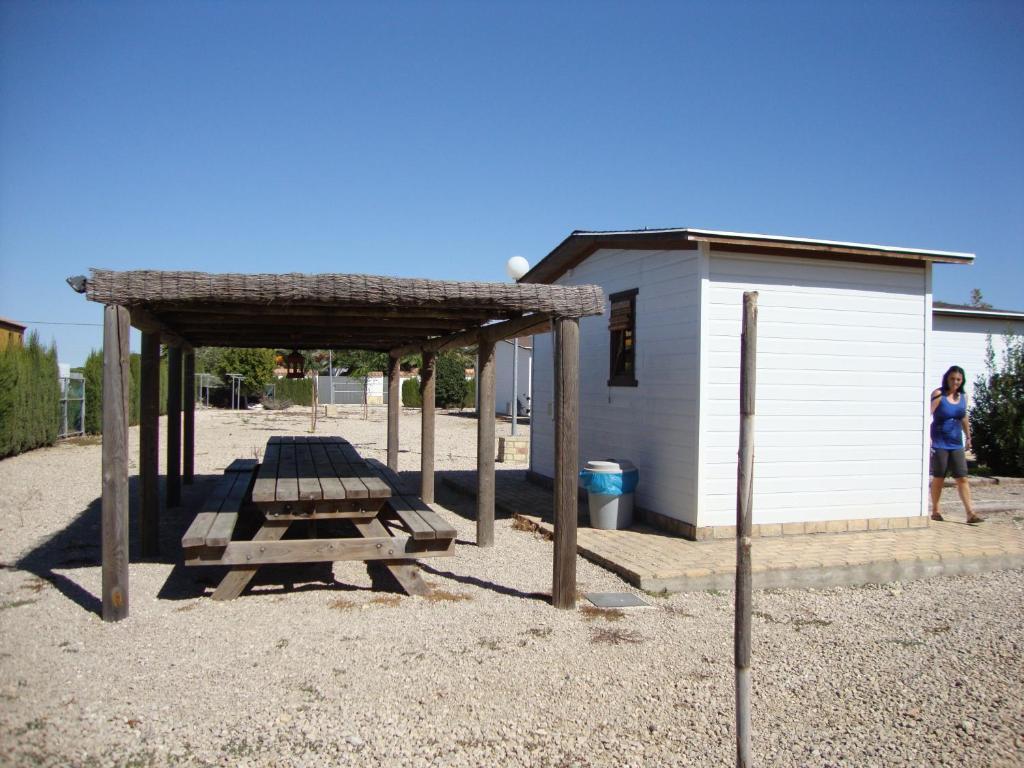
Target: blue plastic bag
point(610, 483)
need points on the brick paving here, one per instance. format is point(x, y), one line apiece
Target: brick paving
point(656, 561)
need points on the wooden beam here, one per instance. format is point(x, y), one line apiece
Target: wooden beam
point(114, 515)
point(428, 390)
point(846, 253)
point(188, 449)
point(149, 444)
point(567, 391)
point(173, 427)
point(394, 407)
point(494, 332)
point(329, 311)
point(485, 447)
point(147, 322)
point(744, 514)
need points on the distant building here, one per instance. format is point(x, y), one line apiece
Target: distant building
point(961, 335)
point(11, 333)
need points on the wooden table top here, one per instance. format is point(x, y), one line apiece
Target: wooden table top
point(298, 469)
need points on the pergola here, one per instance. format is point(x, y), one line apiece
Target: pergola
point(185, 310)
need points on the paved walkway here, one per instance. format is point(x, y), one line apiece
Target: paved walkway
point(655, 561)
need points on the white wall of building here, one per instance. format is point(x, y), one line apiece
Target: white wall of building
point(840, 389)
point(963, 341)
point(503, 355)
point(654, 424)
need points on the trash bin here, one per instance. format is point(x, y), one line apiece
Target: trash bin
point(610, 485)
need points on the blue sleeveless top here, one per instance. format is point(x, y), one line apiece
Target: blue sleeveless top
point(947, 432)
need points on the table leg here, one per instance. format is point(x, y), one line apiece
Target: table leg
point(405, 573)
point(239, 576)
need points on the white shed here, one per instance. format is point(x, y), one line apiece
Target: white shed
point(961, 335)
point(841, 438)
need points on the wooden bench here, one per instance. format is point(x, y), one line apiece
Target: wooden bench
point(405, 505)
point(215, 523)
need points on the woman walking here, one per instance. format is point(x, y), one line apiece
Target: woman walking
point(949, 425)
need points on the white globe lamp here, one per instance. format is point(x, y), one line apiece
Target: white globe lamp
point(516, 267)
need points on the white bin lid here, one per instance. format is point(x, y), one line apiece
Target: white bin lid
point(610, 465)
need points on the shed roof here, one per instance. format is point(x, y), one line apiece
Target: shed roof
point(581, 244)
point(968, 310)
point(327, 310)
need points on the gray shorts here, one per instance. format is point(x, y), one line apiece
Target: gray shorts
point(943, 461)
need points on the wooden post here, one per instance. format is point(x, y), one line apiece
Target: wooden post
point(173, 426)
point(567, 398)
point(114, 516)
point(394, 406)
point(485, 446)
point(428, 390)
point(189, 432)
point(149, 444)
point(744, 507)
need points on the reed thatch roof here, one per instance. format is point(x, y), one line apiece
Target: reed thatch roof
point(328, 310)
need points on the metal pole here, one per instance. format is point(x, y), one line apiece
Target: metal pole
point(515, 384)
point(330, 372)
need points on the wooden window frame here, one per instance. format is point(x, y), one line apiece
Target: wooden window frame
point(622, 378)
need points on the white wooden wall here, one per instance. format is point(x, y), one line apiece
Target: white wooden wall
point(654, 424)
point(840, 389)
point(958, 340)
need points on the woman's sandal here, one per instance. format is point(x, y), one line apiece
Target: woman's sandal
point(937, 516)
point(975, 519)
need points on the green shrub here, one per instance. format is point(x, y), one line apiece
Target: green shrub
point(298, 391)
point(451, 386)
point(92, 372)
point(411, 396)
point(469, 401)
point(997, 413)
point(29, 397)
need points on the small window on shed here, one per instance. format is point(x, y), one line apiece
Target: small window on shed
point(622, 325)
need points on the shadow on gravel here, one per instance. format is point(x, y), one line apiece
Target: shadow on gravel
point(483, 584)
point(79, 544)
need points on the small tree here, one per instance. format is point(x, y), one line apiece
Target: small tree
point(256, 365)
point(451, 385)
point(997, 414)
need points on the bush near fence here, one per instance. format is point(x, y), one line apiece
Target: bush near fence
point(29, 397)
point(299, 391)
point(92, 371)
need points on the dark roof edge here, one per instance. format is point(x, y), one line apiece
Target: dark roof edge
point(966, 310)
point(582, 243)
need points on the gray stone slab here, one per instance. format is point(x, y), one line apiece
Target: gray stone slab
point(616, 600)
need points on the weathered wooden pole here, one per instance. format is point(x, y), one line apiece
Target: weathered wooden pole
point(744, 508)
point(173, 426)
point(188, 449)
point(567, 398)
point(485, 446)
point(394, 407)
point(114, 516)
point(149, 444)
point(428, 391)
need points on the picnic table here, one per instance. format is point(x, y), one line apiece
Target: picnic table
point(312, 479)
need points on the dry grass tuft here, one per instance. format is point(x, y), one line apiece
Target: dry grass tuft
point(389, 601)
point(615, 636)
point(592, 612)
point(341, 604)
point(522, 524)
point(443, 595)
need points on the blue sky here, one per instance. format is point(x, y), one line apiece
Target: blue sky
point(439, 139)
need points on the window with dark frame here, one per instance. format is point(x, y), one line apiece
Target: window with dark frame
point(622, 326)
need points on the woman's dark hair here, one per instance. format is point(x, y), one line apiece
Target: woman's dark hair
point(963, 379)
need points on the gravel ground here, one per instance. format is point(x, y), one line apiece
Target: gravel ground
point(332, 666)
